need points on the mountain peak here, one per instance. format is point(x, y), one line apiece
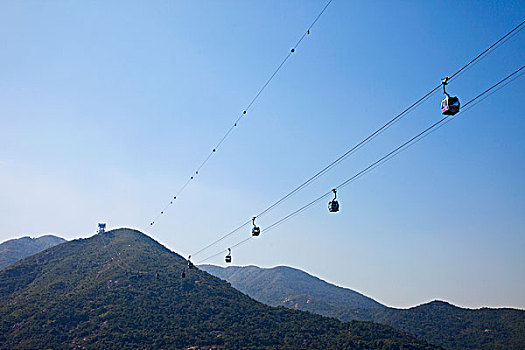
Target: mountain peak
point(436, 304)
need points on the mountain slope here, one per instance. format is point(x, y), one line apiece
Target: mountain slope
point(286, 286)
point(16, 249)
point(123, 290)
point(437, 322)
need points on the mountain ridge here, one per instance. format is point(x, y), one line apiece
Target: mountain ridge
point(123, 290)
point(16, 249)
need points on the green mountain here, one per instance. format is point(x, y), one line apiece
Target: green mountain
point(16, 249)
point(437, 322)
point(123, 290)
point(293, 288)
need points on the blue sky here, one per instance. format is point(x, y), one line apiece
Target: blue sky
point(107, 108)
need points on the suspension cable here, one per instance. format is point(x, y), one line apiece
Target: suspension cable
point(479, 98)
point(243, 113)
point(374, 134)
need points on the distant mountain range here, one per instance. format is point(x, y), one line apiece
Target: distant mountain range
point(437, 322)
point(293, 288)
point(123, 290)
point(16, 249)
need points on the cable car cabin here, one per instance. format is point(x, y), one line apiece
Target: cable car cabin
point(450, 105)
point(190, 264)
point(256, 231)
point(228, 259)
point(333, 206)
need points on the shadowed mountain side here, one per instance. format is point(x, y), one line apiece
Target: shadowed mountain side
point(437, 322)
point(123, 290)
point(16, 249)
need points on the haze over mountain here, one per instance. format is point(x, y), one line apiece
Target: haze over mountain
point(437, 322)
point(15, 249)
point(123, 290)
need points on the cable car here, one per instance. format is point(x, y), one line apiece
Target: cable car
point(255, 230)
point(450, 104)
point(333, 205)
point(183, 274)
point(190, 264)
point(228, 257)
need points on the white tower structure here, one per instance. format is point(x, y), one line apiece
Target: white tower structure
point(101, 227)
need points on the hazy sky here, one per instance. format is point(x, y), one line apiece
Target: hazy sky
point(108, 106)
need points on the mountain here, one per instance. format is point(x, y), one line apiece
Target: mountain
point(16, 249)
point(437, 322)
point(123, 290)
point(293, 288)
point(453, 327)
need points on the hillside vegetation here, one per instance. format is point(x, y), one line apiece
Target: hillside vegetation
point(437, 322)
point(123, 290)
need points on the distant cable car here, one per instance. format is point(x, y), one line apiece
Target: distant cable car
point(255, 230)
point(190, 264)
point(228, 257)
point(450, 104)
point(333, 205)
point(183, 274)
